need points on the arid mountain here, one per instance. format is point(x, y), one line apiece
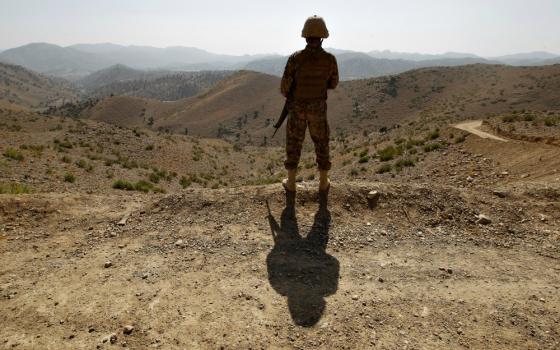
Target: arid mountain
point(247, 99)
point(388, 54)
point(243, 107)
point(357, 65)
point(116, 73)
point(528, 58)
point(153, 57)
point(54, 60)
point(160, 85)
point(77, 61)
point(19, 86)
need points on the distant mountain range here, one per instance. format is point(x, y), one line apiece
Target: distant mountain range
point(76, 61)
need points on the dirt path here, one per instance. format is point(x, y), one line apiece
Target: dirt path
point(213, 269)
point(472, 127)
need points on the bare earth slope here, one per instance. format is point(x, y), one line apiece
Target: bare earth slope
point(243, 107)
point(25, 88)
point(212, 269)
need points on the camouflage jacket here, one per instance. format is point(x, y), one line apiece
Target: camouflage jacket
point(308, 75)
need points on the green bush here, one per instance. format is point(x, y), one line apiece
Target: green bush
point(69, 178)
point(81, 163)
point(432, 146)
point(363, 159)
point(404, 163)
point(385, 168)
point(387, 153)
point(143, 186)
point(549, 121)
point(185, 182)
point(123, 185)
point(432, 135)
point(14, 154)
point(14, 188)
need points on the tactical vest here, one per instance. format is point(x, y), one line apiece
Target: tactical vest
point(311, 76)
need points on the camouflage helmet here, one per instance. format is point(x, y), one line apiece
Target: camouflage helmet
point(315, 27)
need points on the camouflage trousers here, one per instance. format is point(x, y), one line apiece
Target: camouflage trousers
point(314, 116)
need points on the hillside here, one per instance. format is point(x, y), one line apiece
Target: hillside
point(115, 261)
point(246, 99)
point(24, 88)
point(243, 107)
point(160, 85)
point(76, 61)
point(54, 60)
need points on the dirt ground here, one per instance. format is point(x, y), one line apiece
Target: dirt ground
point(213, 269)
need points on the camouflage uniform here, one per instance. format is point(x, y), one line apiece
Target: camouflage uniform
point(307, 76)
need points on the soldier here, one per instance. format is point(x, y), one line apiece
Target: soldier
point(308, 75)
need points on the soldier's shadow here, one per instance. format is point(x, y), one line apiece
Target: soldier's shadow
point(299, 268)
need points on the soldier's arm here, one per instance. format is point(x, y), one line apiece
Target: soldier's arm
point(333, 79)
point(287, 77)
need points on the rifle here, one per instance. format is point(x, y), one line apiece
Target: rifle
point(283, 116)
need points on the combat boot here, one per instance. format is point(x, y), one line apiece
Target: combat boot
point(289, 184)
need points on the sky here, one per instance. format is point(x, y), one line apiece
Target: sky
point(483, 27)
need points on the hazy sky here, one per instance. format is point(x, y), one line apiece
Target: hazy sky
point(484, 27)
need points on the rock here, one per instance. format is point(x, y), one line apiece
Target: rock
point(380, 279)
point(128, 329)
point(108, 264)
point(373, 198)
point(354, 297)
point(113, 338)
point(500, 194)
point(179, 243)
point(483, 219)
point(124, 219)
point(470, 179)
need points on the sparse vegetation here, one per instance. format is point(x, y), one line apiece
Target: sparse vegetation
point(387, 153)
point(12, 153)
point(69, 177)
point(385, 168)
point(14, 188)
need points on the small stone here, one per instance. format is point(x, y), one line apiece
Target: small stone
point(108, 264)
point(113, 338)
point(128, 329)
point(373, 198)
point(483, 219)
point(145, 275)
point(179, 243)
point(123, 221)
point(380, 279)
point(499, 194)
point(354, 297)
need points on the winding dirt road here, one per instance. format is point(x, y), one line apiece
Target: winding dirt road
point(472, 127)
